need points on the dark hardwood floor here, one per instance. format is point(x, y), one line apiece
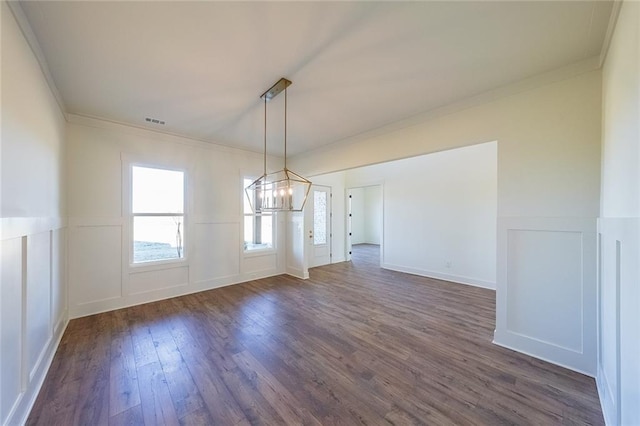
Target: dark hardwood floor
point(354, 344)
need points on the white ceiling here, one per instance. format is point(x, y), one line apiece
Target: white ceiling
point(355, 66)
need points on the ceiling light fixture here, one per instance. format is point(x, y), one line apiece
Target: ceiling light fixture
point(283, 190)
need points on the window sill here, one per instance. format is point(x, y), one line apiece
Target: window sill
point(259, 252)
point(157, 265)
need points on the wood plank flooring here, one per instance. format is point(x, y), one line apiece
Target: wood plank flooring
point(354, 344)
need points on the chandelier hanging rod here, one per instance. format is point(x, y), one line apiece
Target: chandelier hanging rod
point(271, 93)
point(283, 190)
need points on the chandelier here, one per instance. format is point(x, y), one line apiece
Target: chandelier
point(283, 190)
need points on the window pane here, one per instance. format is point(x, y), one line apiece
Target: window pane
point(157, 238)
point(319, 217)
point(247, 207)
point(157, 190)
point(267, 229)
point(258, 232)
point(248, 231)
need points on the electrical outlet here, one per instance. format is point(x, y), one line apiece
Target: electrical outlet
point(448, 264)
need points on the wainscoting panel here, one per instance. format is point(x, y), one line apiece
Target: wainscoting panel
point(149, 281)
point(212, 260)
point(38, 297)
point(296, 260)
point(11, 327)
point(101, 278)
point(33, 309)
point(618, 375)
point(550, 280)
point(59, 291)
point(95, 271)
point(546, 290)
point(261, 265)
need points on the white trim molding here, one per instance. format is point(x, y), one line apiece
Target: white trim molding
point(458, 279)
point(613, 20)
point(546, 289)
point(34, 310)
point(618, 372)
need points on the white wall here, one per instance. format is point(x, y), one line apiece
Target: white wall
point(366, 211)
point(619, 225)
point(297, 262)
point(33, 286)
point(439, 213)
point(100, 277)
point(548, 133)
point(373, 214)
point(358, 215)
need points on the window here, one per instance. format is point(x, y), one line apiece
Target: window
point(258, 226)
point(319, 217)
point(157, 208)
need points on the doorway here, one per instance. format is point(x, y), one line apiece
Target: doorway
point(364, 218)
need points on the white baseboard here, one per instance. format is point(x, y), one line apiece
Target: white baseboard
point(96, 307)
point(24, 403)
point(502, 341)
point(441, 276)
point(607, 401)
point(297, 273)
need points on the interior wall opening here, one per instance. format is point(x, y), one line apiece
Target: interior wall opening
point(436, 215)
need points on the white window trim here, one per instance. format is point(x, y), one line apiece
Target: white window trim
point(128, 162)
point(274, 223)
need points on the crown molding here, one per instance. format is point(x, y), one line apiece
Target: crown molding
point(613, 20)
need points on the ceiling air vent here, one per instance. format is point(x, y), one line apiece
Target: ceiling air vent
point(154, 121)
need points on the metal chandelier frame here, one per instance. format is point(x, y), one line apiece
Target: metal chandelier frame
point(283, 190)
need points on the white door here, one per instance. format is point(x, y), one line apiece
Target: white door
point(318, 224)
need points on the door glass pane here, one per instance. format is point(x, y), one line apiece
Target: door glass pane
point(157, 238)
point(319, 217)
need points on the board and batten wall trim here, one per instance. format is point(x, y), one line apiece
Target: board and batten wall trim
point(546, 289)
point(134, 286)
point(618, 378)
point(34, 313)
point(101, 277)
point(618, 324)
